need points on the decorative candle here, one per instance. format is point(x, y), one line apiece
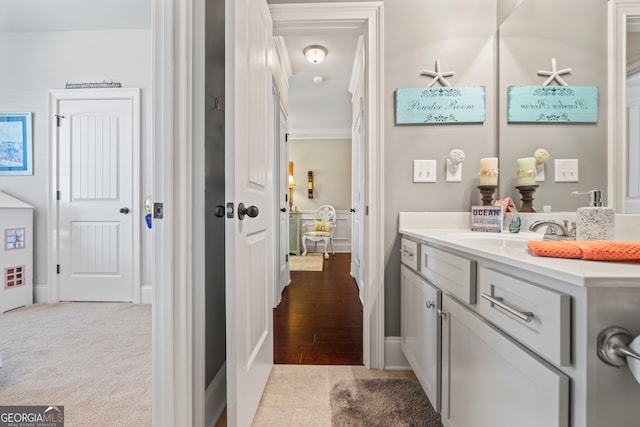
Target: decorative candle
point(489, 171)
point(526, 171)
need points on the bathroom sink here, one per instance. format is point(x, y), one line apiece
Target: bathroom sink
point(496, 240)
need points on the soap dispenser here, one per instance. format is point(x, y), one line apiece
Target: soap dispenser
point(595, 222)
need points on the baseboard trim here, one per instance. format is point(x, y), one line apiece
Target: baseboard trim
point(40, 294)
point(215, 397)
point(394, 359)
point(146, 295)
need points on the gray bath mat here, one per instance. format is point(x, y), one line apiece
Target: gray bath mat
point(381, 402)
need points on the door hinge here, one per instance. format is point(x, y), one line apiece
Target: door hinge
point(58, 195)
point(286, 137)
point(286, 197)
point(286, 257)
point(58, 117)
point(58, 269)
point(230, 210)
point(366, 210)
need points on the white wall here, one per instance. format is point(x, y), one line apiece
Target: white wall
point(330, 162)
point(35, 62)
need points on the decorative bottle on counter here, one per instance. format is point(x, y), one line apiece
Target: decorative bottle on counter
point(595, 222)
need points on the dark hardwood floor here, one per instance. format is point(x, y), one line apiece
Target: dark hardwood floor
point(319, 320)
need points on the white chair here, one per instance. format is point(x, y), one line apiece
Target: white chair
point(321, 230)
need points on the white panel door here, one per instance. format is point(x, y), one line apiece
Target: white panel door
point(250, 182)
point(96, 206)
point(283, 215)
point(357, 200)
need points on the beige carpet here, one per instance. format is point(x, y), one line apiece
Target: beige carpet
point(92, 358)
point(312, 262)
point(381, 402)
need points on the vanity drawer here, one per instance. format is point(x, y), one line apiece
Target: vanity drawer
point(538, 317)
point(451, 273)
point(409, 253)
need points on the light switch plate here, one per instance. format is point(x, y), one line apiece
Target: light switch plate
point(566, 170)
point(424, 171)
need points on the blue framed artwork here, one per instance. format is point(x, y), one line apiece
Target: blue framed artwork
point(552, 104)
point(437, 105)
point(16, 146)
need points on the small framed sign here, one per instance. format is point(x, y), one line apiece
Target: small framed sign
point(552, 104)
point(486, 218)
point(437, 105)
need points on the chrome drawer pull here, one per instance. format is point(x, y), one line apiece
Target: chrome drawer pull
point(407, 253)
point(430, 304)
point(526, 316)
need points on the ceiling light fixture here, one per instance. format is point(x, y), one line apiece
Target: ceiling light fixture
point(315, 53)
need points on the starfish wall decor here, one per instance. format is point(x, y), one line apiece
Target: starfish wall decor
point(554, 74)
point(438, 76)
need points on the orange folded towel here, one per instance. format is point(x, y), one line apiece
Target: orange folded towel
point(600, 250)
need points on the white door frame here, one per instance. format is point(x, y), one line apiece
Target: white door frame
point(178, 277)
point(368, 15)
point(178, 121)
point(55, 96)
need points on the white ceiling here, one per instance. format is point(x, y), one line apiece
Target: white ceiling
point(313, 109)
point(324, 109)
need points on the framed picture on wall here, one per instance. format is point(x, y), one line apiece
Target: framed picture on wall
point(16, 146)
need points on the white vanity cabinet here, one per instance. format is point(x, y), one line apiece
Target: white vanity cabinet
point(520, 333)
point(490, 381)
point(420, 328)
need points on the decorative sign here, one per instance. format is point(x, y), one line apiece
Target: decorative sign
point(93, 85)
point(464, 104)
point(552, 104)
point(486, 218)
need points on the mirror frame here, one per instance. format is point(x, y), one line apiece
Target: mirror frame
point(619, 11)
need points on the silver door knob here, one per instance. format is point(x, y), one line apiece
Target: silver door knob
point(124, 211)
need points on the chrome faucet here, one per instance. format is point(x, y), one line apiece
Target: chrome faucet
point(555, 231)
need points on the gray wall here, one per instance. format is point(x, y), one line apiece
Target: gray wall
point(215, 323)
point(35, 62)
point(462, 34)
point(534, 33)
point(330, 162)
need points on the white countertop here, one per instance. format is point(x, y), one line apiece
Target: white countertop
point(511, 249)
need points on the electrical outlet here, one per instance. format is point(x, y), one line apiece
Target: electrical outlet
point(424, 171)
point(566, 170)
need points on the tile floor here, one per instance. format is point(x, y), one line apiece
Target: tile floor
point(298, 395)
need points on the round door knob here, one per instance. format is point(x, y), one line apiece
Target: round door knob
point(124, 211)
point(251, 211)
point(219, 211)
point(283, 209)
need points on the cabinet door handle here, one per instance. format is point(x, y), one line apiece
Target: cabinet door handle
point(526, 315)
point(405, 252)
point(430, 304)
point(442, 314)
